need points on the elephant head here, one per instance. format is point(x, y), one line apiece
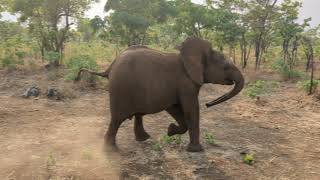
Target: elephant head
point(205, 65)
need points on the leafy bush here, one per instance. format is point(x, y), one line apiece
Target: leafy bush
point(52, 56)
point(284, 69)
point(209, 137)
point(102, 52)
point(77, 62)
point(21, 55)
point(157, 147)
point(8, 61)
point(260, 87)
point(176, 139)
point(249, 159)
point(305, 85)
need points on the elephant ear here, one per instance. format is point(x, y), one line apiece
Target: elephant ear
point(193, 53)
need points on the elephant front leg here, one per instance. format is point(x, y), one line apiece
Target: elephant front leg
point(140, 133)
point(191, 113)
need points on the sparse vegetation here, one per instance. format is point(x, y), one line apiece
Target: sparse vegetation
point(51, 161)
point(284, 69)
point(249, 159)
point(306, 85)
point(167, 141)
point(8, 61)
point(79, 61)
point(21, 55)
point(157, 147)
point(87, 154)
point(209, 138)
point(260, 87)
point(53, 57)
point(176, 139)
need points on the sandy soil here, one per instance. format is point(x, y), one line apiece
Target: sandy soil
point(63, 140)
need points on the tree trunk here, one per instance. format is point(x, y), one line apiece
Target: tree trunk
point(258, 54)
point(312, 75)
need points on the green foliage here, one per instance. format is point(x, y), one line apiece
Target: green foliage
point(52, 56)
point(176, 139)
point(167, 140)
point(128, 23)
point(101, 51)
point(44, 17)
point(79, 61)
point(51, 161)
point(157, 147)
point(249, 159)
point(8, 61)
point(259, 88)
point(284, 69)
point(245, 26)
point(21, 55)
point(209, 138)
point(87, 155)
point(306, 85)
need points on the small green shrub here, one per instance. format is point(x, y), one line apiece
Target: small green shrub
point(8, 61)
point(305, 85)
point(284, 69)
point(32, 65)
point(248, 159)
point(52, 56)
point(209, 138)
point(259, 88)
point(87, 155)
point(21, 55)
point(176, 139)
point(168, 139)
point(51, 161)
point(77, 62)
point(157, 147)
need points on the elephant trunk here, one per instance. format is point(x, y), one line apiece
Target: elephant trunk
point(239, 83)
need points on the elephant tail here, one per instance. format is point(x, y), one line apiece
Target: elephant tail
point(104, 74)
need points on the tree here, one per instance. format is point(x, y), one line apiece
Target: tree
point(50, 21)
point(262, 15)
point(85, 29)
point(227, 23)
point(216, 20)
point(191, 18)
point(308, 50)
point(246, 40)
point(130, 20)
point(97, 24)
point(289, 30)
point(310, 37)
point(4, 4)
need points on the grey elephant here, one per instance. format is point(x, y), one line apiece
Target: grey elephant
point(145, 81)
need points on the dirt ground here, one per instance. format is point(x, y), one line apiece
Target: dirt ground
point(63, 140)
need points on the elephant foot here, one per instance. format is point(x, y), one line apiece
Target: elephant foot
point(195, 148)
point(109, 140)
point(142, 136)
point(110, 145)
point(173, 129)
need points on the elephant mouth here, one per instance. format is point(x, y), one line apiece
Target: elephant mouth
point(228, 82)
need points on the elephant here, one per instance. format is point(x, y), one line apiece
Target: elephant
point(145, 81)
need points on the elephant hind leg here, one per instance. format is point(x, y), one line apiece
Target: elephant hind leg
point(110, 136)
point(177, 113)
point(139, 131)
